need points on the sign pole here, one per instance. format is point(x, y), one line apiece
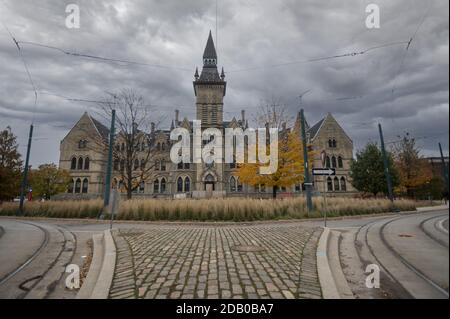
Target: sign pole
point(306, 166)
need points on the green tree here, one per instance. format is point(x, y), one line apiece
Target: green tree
point(10, 165)
point(49, 180)
point(367, 171)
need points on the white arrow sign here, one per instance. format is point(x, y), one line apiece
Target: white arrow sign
point(324, 171)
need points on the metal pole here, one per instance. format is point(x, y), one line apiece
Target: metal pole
point(386, 165)
point(306, 164)
point(109, 165)
point(444, 168)
point(25, 172)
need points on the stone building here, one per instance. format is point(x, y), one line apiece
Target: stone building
point(83, 152)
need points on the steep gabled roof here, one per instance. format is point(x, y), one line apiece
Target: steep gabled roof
point(102, 129)
point(315, 128)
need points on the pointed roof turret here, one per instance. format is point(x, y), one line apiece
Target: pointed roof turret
point(210, 50)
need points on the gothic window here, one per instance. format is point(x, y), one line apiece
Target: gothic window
point(330, 143)
point(327, 162)
point(80, 163)
point(156, 186)
point(73, 163)
point(179, 185)
point(343, 184)
point(86, 163)
point(239, 186)
point(333, 162)
point(157, 165)
point(85, 186)
point(334, 143)
point(163, 185)
point(262, 188)
point(187, 184)
point(232, 184)
point(340, 162)
point(70, 188)
point(77, 186)
point(163, 166)
point(329, 184)
point(336, 184)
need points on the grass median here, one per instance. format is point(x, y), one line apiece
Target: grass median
point(228, 209)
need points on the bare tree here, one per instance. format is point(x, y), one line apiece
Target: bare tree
point(272, 112)
point(134, 155)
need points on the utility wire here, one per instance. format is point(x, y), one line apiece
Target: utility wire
point(26, 69)
point(350, 54)
point(100, 58)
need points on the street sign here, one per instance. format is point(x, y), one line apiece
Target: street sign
point(324, 171)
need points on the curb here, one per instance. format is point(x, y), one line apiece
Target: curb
point(326, 280)
point(431, 208)
point(101, 271)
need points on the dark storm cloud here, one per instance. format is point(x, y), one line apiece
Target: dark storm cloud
point(253, 34)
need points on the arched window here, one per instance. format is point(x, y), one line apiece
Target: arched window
point(70, 188)
point(232, 184)
point(157, 165)
point(86, 163)
point(336, 184)
point(179, 185)
point(330, 143)
point(163, 185)
point(327, 162)
point(333, 162)
point(343, 184)
point(156, 186)
point(73, 163)
point(80, 163)
point(187, 184)
point(77, 186)
point(340, 162)
point(334, 143)
point(85, 186)
point(262, 188)
point(136, 164)
point(329, 184)
point(239, 185)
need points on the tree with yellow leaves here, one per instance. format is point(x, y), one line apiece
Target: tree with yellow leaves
point(414, 171)
point(290, 169)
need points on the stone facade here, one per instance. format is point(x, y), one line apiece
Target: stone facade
point(83, 151)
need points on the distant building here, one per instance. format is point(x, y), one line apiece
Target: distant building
point(86, 162)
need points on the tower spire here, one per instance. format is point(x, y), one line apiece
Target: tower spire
point(210, 54)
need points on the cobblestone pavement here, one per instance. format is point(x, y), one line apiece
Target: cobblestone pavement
point(256, 261)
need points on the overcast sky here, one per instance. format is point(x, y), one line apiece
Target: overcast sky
point(252, 34)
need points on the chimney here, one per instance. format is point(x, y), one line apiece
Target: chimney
point(243, 116)
point(152, 125)
point(177, 114)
